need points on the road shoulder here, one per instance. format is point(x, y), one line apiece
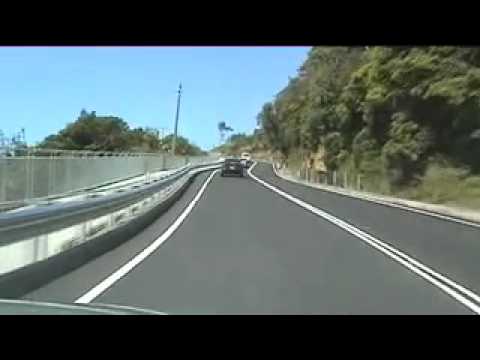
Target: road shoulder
point(465, 216)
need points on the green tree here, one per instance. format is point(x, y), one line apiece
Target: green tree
point(110, 133)
point(391, 109)
point(183, 146)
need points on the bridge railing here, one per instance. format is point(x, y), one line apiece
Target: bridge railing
point(42, 173)
point(32, 237)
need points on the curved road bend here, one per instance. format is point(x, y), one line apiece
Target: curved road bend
point(245, 249)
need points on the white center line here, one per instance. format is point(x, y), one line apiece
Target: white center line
point(450, 287)
point(125, 269)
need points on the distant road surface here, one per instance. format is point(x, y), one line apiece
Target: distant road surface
point(264, 245)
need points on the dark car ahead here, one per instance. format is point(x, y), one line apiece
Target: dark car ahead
point(232, 167)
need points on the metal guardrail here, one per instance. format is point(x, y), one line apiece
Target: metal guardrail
point(42, 243)
point(44, 219)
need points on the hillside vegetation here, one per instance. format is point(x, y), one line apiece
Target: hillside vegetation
point(240, 142)
point(406, 118)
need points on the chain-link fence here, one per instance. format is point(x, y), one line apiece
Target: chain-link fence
point(38, 174)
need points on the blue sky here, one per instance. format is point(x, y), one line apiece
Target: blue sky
point(44, 88)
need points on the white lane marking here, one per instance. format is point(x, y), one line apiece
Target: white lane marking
point(117, 275)
point(420, 265)
point(420, 269)
point(412, 260)
point(399, 206)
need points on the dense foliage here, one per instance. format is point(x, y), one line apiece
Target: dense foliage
point(109, 133)
point(392, 110)
point(241, 142)
point(182, 145)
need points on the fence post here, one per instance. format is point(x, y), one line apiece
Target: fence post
point(345, 179)
point(32, 175)
point(26, 177)
point(163, 161)
point(334, 177)
point(68, 161)
point(29, 176)
point(51, 175)
point(358, 182)
point(145, 167)
point(3, 180)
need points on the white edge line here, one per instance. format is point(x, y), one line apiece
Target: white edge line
point(384, 202)
point(126, 268)
point(412, 260)
point(413, 265)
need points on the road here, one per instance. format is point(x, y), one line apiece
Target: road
point(247, 249)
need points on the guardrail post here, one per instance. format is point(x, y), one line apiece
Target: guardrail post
point(84, 231)
point(36, 250)
point(40, 247)
point(111, 221)
point(45, 246)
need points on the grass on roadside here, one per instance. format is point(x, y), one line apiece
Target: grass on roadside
point(442, 183)
point(448, 186)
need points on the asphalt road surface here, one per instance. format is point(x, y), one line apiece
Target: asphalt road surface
point(247, 249)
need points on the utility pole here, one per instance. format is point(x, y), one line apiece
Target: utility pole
point(176, 118)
